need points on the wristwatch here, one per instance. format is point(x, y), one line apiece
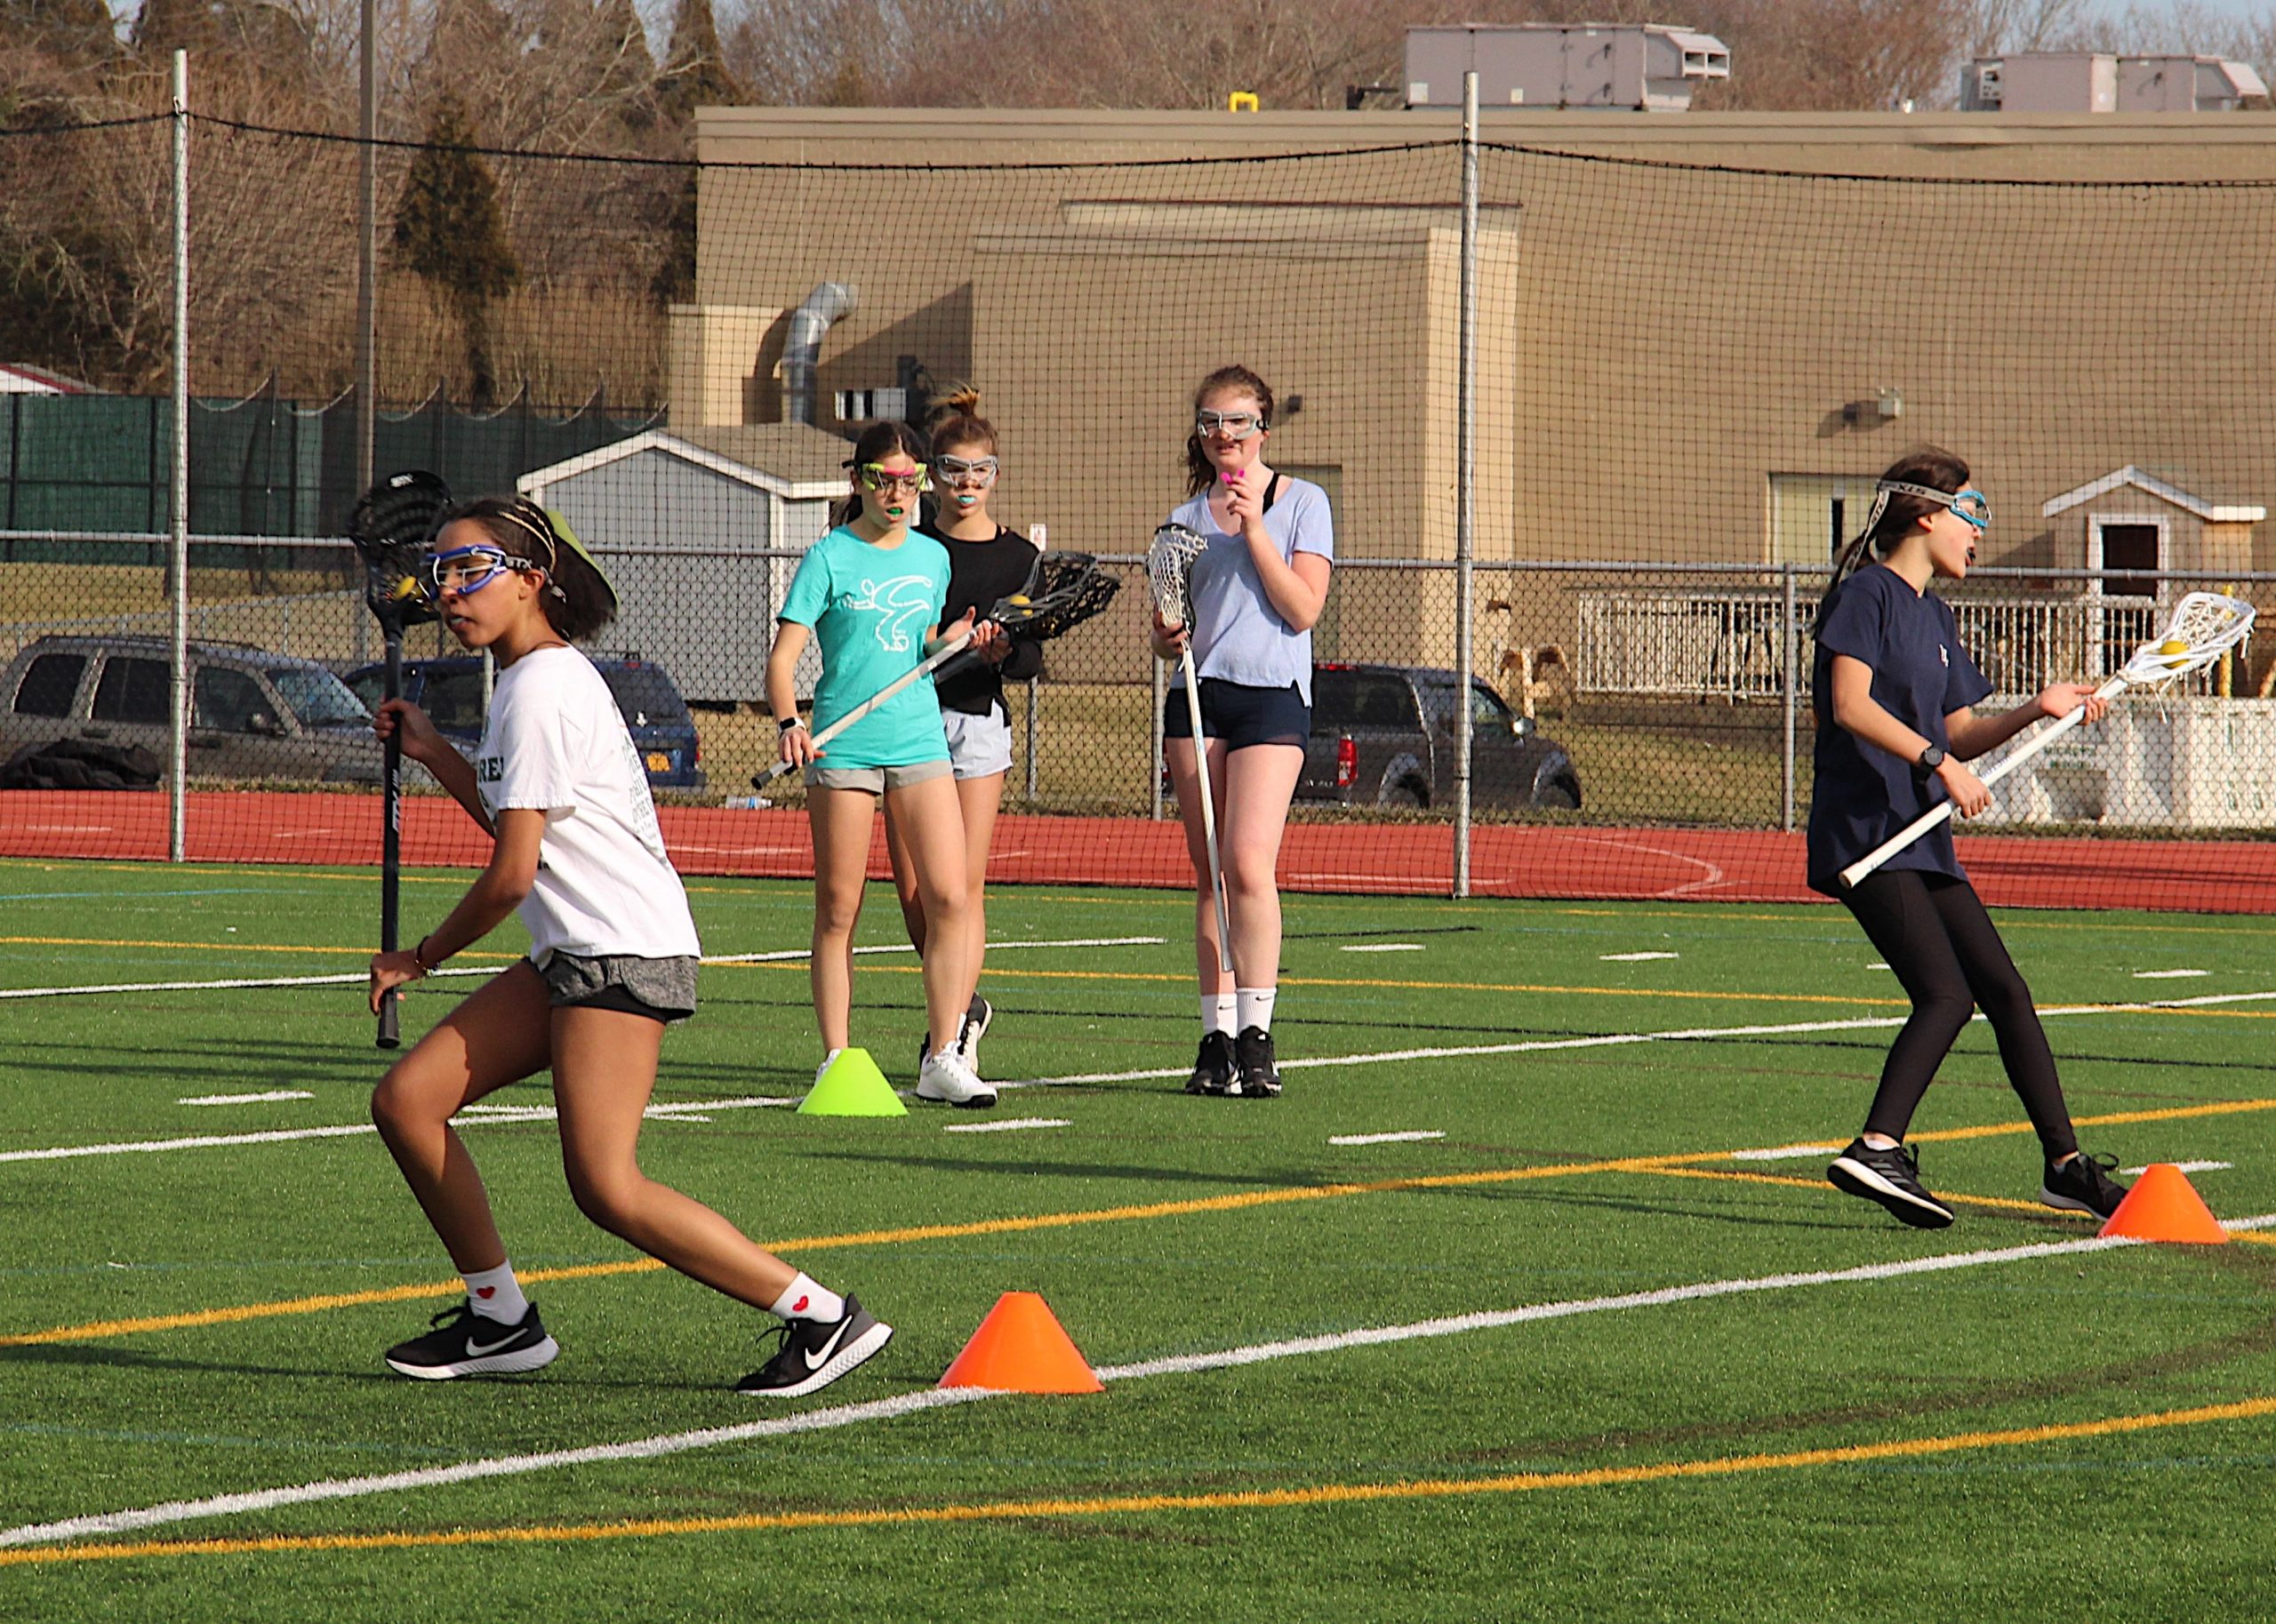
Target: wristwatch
point(785, 724)
point(1931, 758)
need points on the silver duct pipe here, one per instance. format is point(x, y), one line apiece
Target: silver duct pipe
point(829, 302)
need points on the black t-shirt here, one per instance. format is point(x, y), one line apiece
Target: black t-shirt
point(980, 574)
point(1864, 795)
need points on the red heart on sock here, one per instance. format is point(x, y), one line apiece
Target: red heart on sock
point(799, 1306)
point(486, 1292)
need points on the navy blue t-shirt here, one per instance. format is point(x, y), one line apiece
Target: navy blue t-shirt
point(1864, 795)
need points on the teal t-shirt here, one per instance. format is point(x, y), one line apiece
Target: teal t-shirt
point(871, 609)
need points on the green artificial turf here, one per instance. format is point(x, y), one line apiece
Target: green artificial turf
point(1156, 1225)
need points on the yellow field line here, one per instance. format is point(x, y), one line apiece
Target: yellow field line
point(212, 946)
point(867, 1237)
point(1141, 1505)
point(2007, 1204)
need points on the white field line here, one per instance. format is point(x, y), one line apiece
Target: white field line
point(1010, 1125)
point(1633, 958)
point(1380, 1057)
point(795, 954)
point(887, 1409)
point(2168, 975)
point(358, 978)
point(1380, 946)
point(1386, 1139)
point(1785, 1153)
point(260, 1099)
point(2187, 1167)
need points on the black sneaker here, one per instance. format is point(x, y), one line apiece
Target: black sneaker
point(1213, 1067)
point(2083, 1184)
point(1259, 1073)
point(1891, 1176)
point(977, 1014)
point(464, 1343)
point(813, 1355)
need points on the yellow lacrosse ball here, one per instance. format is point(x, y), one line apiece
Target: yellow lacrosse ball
point(408, 586)
point(2176, 648)
point(1017, 597)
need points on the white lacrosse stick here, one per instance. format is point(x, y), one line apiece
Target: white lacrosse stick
point(2205, 626)
point(1169, 572)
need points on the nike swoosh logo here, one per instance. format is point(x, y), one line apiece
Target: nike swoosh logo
point(476, 1351)
point(821, 1355)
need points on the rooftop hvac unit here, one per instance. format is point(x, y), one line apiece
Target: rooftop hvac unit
point(1614, 67)
point(2097, 82)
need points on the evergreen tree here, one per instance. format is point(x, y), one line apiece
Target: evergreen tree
point(695, 71)
point(450, 232)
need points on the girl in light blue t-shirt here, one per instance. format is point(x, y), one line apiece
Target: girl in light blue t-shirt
point(870, 595)
point(1257, 591)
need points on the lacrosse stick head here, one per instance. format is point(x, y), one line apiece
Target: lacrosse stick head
point(1062, 591)
point(2204, 626)
point(392, 524)
point(1169, 571)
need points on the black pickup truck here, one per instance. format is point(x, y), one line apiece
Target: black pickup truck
point(1384, 736)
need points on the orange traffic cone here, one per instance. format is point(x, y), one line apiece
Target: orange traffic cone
point(1021, 1347)
point(2163, 1206)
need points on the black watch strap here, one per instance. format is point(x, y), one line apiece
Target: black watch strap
point(1930, 759)
point(787, 723)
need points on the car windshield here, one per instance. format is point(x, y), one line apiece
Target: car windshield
point(645, 695)
point(317, 697)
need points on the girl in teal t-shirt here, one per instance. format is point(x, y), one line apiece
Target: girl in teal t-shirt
point(870, 595)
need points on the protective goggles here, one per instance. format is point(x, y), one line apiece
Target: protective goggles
point(1971, 505)
point(961, 470)
point(1232, 425)
point(874, 477)
point(464, 570)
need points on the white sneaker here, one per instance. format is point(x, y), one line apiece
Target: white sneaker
point(827, 1060)
point(945, 1078)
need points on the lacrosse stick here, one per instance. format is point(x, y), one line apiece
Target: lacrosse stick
point(1063, 590)
point(2204, 626)
point(390, 527)
point(1169, 572)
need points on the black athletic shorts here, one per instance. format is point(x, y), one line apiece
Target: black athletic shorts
point(1240, 714)
point(660, 988)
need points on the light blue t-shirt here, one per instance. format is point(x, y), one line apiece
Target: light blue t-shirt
point(871, 609)
point(1237, 634)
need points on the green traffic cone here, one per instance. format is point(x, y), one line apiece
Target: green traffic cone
point(853, 1086)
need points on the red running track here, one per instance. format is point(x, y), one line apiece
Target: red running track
point(1659, 864)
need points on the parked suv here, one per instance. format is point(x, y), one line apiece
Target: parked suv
point(253, 714)
point(449, 690)
point(1384, 736)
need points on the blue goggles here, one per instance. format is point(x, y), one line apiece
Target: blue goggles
point(1970, 504)
point(464, 570)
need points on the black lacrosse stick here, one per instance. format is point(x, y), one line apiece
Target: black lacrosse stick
point(391, 526)
point(1062, 591)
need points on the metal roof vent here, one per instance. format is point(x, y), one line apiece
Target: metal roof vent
point(1616, 66)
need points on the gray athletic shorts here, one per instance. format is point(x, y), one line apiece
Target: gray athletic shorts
point(877, 780)
point(660, 988)
point(978, 746)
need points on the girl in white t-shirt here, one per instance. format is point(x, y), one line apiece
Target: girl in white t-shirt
point(557, 784)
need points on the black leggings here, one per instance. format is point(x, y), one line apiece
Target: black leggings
point(1933, 930)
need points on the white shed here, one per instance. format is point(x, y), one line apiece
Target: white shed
point(698, 528)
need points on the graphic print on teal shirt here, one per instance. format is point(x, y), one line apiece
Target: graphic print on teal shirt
point(871, 609)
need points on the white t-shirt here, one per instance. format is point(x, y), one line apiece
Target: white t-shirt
point(556, 743)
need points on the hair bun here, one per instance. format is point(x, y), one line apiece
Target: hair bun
point(963, 398)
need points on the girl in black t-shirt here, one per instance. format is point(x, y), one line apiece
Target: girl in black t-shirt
point(1893, 690)
point(987, 563)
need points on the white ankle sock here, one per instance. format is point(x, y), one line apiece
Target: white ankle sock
point(1218, 1013)
point(496, 1294)
point(1255, 1005)
point(802, 1299)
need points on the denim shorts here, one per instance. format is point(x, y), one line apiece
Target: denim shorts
point(1240, 714)
point(978, 746)
point(660, 988)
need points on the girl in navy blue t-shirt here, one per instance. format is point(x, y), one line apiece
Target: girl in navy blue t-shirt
point(1893, 690)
